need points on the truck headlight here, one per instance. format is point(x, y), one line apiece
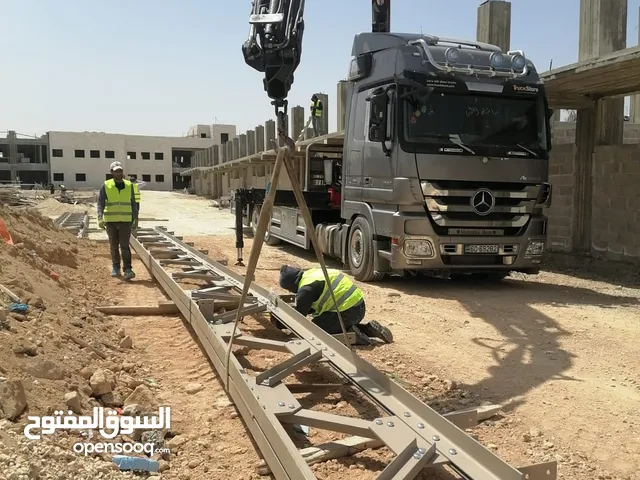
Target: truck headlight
point(418, 248)
point(535, 248)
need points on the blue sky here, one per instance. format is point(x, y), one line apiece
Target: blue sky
point(157, 67)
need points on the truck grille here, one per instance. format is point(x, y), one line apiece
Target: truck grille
point(473, 208)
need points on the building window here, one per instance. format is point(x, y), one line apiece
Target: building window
point(159, 156)
point(58, 177)
point(224, 137)
point(203, 135)
point(159, 178)
point(146, 178)
point(81, 177)
point(146, 156)
point(109, 154)
point(79, 153)
point(131, 155)
point(94, 153)
point(57, 152)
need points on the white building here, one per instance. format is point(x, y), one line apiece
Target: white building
point(81, 159)
point(220, 133)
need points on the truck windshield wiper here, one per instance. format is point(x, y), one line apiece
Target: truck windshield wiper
point(527, 150)
point(455, 139)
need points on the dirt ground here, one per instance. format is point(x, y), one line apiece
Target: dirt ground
point(557, 351)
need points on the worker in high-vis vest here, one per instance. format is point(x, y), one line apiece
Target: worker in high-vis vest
point(313, 296)
point(118, 213)
point(316, 115)
point(136, 189)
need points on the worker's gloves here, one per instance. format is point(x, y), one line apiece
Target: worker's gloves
point(101, 223)
point(134, 225)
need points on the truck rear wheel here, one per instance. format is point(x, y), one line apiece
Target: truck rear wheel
point(360, 252)
point(255, 217)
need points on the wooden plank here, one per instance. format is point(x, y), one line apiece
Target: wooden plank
point(133, 310)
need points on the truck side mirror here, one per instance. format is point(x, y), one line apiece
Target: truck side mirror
point(378, 117)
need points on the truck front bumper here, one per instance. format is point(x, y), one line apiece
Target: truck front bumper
point(471, 254)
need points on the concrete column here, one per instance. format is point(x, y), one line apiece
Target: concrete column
point(634, 112)
point(242, 145)
point(494, 23)
point(309, 133)
point(603, 30)
point(297, 121)
point(324, 98)
point(270, 133)
point(251, 142)
point(260, 138)
point(230, 150)
point(223, 153)
point(215, 155)
point(341, 104)
point(236, 148)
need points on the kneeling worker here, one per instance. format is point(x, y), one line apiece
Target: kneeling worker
point(313, 296)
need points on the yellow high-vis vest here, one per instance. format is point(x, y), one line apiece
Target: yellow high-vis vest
point(117, 207)
point(347, 294)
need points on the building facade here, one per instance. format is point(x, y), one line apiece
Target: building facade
point(23, 158)
point(81, 159)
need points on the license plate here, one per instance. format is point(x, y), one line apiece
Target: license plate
point(476, 231)
point(481, 249)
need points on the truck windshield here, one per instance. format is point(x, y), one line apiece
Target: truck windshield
point(476, 120)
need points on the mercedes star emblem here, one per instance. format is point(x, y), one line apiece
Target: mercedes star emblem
point(483, 202)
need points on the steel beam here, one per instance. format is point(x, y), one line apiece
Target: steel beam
point(418, 435)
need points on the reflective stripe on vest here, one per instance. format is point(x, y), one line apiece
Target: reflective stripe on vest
point(117, 207)
point(318, 108)
point(347, 294)
point(136, 192)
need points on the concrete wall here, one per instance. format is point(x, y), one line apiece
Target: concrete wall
point(118, 146)
point(615, 210)
point(565, 132)
point(615, 219)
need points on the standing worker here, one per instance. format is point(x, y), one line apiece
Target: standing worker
point(118, 211)
point(313, 296)
point(316, 115)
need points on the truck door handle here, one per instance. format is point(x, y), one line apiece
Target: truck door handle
point(367, 181)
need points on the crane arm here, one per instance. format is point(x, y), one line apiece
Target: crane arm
point(274, 45)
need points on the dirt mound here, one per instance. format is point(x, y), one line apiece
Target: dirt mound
point(51, 207)
point(51, 352)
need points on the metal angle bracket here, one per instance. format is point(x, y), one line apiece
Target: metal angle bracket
point(277, 373)
point(540, 471)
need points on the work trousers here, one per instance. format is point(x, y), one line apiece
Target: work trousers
point(119, 233)
point(316, 123)
point(329, 322)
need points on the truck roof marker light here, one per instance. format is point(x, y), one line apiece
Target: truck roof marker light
point(518, 62)
point(496, 59)
point(452, 55)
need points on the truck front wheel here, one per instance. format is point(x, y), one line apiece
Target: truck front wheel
point(255, 217)
point(361, 253)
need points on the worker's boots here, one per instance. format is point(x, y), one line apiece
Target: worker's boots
point(128, 274)
point(375, 330)
point(115, 272)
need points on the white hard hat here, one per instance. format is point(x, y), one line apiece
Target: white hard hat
point(115, 166)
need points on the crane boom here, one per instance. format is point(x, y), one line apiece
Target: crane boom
point(274, 46)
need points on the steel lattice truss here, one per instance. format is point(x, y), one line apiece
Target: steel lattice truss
point(418, 436)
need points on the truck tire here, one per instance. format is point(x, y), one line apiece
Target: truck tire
point(360, 252)
point(268, 239)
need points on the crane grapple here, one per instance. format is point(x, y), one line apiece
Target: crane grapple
point(274, 45)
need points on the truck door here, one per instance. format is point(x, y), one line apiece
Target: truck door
point(377, 169)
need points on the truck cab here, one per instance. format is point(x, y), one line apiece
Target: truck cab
point(445, 160)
